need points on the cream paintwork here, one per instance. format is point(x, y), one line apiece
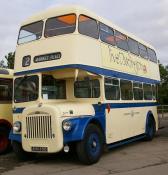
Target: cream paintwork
point(79, 49)
point(75, 48)
point(119, 60)
point(6, 109)
point(123, 123)
point(6, 112)
point(58, 112)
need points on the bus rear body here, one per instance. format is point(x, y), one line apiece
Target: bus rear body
point(6, 83)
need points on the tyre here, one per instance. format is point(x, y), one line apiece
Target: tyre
point(150, 129)
point(4, 141)
point(89, 150)
point(20, 153)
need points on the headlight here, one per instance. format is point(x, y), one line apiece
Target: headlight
point(17, 126)
point(67, 125)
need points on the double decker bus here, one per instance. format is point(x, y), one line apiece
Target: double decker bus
point(81, 81)
point(6, 83)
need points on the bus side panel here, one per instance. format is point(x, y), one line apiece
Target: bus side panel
point(123, 123)
point(6, 112)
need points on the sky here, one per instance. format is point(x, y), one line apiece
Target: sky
point(147, 19)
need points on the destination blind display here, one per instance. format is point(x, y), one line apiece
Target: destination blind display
point(48, 57)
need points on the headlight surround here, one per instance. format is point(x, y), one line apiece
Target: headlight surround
point(17, 126)
point(67, 125)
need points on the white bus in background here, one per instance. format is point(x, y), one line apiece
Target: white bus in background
point(81, 81)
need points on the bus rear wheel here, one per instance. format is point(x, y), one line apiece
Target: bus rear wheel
point(4, 141)
point(150, 129)
point(20, 153)
point(89, 150)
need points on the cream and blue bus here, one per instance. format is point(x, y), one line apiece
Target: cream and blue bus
point(82, 82)
point(6, 83)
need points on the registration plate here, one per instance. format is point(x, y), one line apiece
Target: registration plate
point(39, 149)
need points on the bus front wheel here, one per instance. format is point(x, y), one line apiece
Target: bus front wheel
point(4, 141)
point(20, 153)
point(89, 150)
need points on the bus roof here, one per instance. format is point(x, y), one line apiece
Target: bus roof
point(57, 11)
point(6, 73)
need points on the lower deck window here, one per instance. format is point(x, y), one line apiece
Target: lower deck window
point(87, 89)
point(112, 89)
point(147, 92)
point(53, 88)
point(5, 90)
point(138, 91)
point(126, 90)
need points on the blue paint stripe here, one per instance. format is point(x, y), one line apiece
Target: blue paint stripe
point(112, 106)
point(126, 141)
point(15, 137)
point(132, 105)
point(93, 69)
point(18, 110)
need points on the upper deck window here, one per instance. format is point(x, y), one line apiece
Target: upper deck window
point(143, 51)
point(152, 55)
point(60, 25)
point(133, 46)
point(121, 40)
point(30, 32)
point(88, 26)
point(107, 34)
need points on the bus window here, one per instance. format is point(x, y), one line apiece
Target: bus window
point(88, 26)
point(5, 90)
point(126, 90)
point(26, 89)
point(152, 55)
point(121, 40)
point(138, 91)
point(87, 89)
point(60, 25)
point(154, 92)
point(147, 91)
point(107, 34)
point(133, 46)
point(112, 89)
point(52, 88)
point(143, 51)
point(30, 32)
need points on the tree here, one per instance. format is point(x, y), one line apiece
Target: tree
point(163, 87)
point(9, 59)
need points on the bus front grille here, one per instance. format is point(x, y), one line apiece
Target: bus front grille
point(39, 127)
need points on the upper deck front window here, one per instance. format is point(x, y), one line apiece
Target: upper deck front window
point(60, 25)
point(30, 32)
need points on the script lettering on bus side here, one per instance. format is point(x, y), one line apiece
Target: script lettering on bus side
point(126, 60)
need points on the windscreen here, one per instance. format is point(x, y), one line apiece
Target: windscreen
point(26, 89)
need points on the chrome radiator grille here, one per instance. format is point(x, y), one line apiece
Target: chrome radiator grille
point(39, 126)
